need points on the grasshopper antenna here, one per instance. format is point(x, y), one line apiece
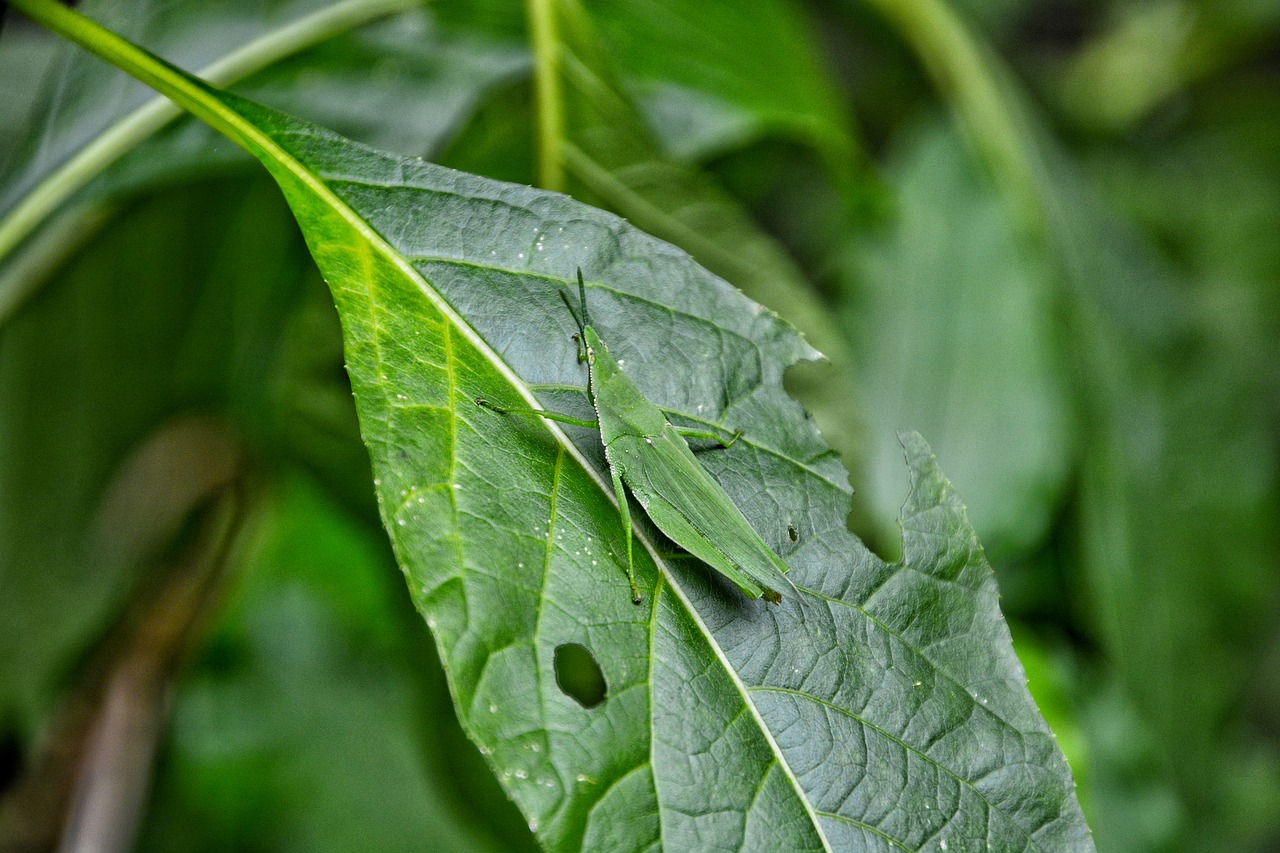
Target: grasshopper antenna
point(582, 299)
point(580, 320)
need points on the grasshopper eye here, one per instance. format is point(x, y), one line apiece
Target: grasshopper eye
point(792, 533)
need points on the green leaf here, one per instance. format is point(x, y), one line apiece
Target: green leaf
point(705, 94)
point(958, 339)
point(1151, 359)
point(880, 707)
point(594, 141)
point(90, 118)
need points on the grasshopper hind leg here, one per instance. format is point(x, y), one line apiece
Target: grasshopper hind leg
point(625, 513)
point(721, 443)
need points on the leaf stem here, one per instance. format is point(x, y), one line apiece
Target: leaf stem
point(550, 100)
point(130, 130)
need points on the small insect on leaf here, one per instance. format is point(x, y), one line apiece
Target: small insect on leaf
point(650, 456)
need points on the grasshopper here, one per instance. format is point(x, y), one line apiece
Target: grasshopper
point(650, 455)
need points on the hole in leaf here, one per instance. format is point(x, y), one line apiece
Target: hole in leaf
point(792, 533)
point(579, 676)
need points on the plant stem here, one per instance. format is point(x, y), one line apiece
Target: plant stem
point(550, 100)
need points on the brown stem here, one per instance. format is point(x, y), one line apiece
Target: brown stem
point(87, 788)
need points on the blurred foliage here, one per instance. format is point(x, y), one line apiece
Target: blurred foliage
point(1043, 232)
point(317, 714)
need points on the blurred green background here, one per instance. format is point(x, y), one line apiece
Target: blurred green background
point(1043, 233)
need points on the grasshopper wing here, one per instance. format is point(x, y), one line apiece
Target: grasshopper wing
point(677, 493)
point(690, 507)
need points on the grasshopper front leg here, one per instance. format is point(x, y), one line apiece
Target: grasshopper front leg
point(542, 413)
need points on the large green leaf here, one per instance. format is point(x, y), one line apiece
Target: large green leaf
point(879, 707)
point(704, 94)
point(957, 339)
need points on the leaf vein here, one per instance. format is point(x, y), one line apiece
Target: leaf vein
point(868, 827)
point(906, 746)
point(975, 704)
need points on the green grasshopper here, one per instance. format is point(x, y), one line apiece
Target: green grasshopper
point(649, 454)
